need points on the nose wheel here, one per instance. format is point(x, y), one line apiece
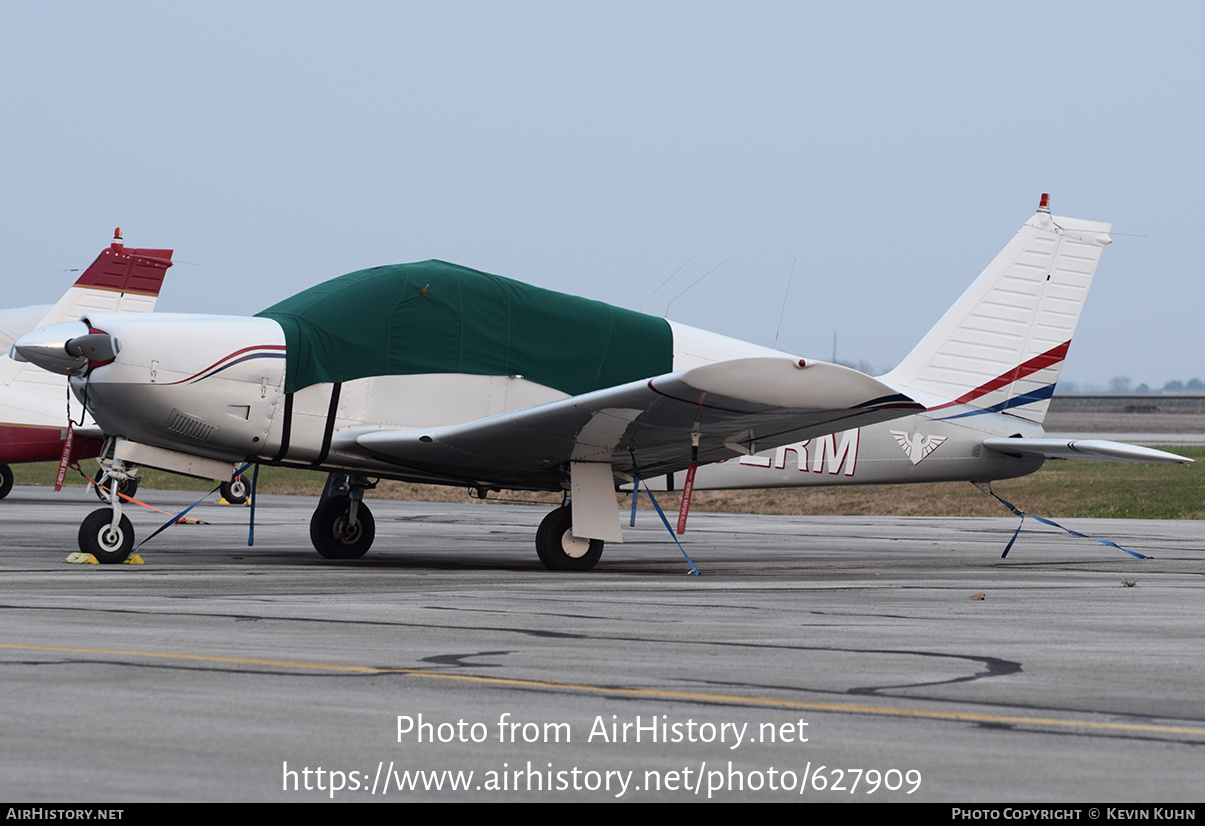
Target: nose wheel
point(108, 543)
point(236, 491)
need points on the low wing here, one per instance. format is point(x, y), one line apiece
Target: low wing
point(734, 406)
point(1083, 450)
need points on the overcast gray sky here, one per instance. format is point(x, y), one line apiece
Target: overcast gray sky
point(594, 147)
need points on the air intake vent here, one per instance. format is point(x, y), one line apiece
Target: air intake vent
point(190, 427)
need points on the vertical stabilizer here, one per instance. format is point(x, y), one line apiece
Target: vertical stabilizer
point(1001, 346)
point(119, 280)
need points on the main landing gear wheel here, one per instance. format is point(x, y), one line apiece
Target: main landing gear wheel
point(6, 480)
point(98, 537)
point(333, 535)
point(236, 491)
point(127, 487)
point(559, 549)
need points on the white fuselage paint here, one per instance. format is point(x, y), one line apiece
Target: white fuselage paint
point(872, 455)
point(223, 397)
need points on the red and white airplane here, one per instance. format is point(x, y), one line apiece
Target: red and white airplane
point(35, 405)
point(430, 372)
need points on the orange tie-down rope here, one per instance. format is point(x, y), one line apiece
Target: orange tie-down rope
point(183, 520)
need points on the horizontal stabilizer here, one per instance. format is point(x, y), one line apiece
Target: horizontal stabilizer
point(1083, 450)
point(127, 270)
point(648, 424)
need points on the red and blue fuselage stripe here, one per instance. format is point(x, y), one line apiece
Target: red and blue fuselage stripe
point(263, 351)
point(1053, 356)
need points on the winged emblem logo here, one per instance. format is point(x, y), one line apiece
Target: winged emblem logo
point(917, 445)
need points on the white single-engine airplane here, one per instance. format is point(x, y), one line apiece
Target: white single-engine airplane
point(33, 403)
point(430, 372)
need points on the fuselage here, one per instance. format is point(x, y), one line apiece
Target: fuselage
point(214, 386)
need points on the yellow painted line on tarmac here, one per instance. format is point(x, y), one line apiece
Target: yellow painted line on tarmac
point(650, 693)
point(354, 669)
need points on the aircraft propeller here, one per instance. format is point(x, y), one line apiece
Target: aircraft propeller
point(67, 347)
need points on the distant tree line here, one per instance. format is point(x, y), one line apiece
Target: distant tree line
point(1117, 384)
point(1123, 384)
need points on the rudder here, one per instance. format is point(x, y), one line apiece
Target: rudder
point(1001, 346)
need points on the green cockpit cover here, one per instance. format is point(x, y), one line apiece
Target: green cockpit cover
point(435, 317)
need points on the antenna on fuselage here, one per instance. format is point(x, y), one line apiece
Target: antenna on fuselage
point(783, 311)
point(691, 287)
point(663, 283)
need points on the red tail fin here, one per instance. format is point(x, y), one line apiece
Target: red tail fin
point(128, 271)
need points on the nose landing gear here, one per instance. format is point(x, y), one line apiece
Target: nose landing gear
point(106, 533)
point(236, 491)
point(125, 487)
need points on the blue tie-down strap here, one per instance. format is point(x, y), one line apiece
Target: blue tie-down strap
point(254, 485)
point(180, 515)
point(1053, 524)
point(636, 492)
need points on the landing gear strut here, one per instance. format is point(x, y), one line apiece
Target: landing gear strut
point(342, 526)
point(106, 533)
point(126, 487)
point(559, 549)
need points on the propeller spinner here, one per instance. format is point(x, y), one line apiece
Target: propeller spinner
point(67, 348)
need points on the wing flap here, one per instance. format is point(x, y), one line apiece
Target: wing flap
point(648, 424)
point(1083, 450)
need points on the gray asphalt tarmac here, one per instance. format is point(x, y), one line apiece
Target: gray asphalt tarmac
point(815, 659)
